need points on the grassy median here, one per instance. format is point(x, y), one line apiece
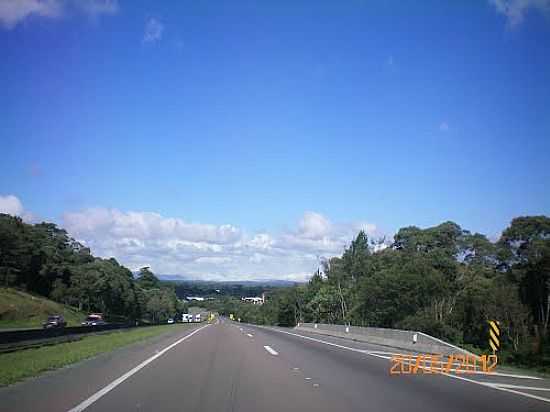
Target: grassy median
point(16, 366)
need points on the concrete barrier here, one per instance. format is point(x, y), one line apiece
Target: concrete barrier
point(396, 338)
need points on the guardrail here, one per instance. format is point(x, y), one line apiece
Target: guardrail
point(39, 334)
point(413, 341)
point(30, 344)
point(11, 340)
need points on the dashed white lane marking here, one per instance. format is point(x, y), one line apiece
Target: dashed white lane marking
point(271, 350)
point(249, 335)
point(366, 352)
point(83, 405)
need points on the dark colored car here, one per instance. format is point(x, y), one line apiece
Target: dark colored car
point(55, 321)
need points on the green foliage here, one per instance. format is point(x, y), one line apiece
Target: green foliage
point(20, 309)
point(43, 259)
point(147, 280)
point(443, 280)
point(214, 289)
point(16, 366)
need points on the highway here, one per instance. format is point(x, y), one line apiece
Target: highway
point(229, 366)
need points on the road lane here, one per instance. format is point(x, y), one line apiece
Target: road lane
point(224, 370)
point(221, 368)
point(504, 379)
point(64, 388)
point(354, 375)
point(112, 385)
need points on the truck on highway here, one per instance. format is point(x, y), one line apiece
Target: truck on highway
point(186, 318)
point(198, 317)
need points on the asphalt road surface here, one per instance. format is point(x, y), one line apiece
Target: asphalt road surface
point(229, 366)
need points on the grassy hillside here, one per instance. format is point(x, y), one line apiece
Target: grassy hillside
point(22, 310)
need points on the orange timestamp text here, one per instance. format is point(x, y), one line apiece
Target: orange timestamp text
point(433, 364)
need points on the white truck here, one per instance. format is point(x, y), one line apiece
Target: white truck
point(198, 317)
point(186, 318)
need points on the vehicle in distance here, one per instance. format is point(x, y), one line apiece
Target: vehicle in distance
point(170, 321)
point(55, 321)
point(186, 318)
point(94, 319)
point(198, 317)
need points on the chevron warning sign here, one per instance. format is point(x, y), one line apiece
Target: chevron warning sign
point(494, 335)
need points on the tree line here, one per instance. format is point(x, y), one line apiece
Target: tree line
point(45, 260)
point(443, 280)
point(216, 289)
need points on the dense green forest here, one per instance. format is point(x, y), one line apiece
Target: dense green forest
point(218, 289)
point(44, 259)
point(443, 280)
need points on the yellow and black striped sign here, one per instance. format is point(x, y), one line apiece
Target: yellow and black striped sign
point(494, 335)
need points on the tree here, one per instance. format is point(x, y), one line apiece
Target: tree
point(146, 279)
point(355, 257)
point(525, 253)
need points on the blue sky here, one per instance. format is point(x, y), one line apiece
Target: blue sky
point(260, 135)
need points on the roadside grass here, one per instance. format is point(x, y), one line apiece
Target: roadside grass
point(16, 366)
point(507, 365)
point(522, 370)
point(20, 309)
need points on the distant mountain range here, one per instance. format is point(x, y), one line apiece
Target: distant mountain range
point(259, 282)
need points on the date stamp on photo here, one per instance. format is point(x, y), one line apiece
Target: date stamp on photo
point(402, 364)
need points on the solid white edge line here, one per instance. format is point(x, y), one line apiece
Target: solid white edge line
point(271, 350)
point(385, 355)
point(498, 388)
point(84, 404)
point(527, 388)
point(470, 372)
point(488, 385)
point(319, 340)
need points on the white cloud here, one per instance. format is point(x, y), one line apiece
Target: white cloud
point(146, 225)
point(515, 10)
point(314, 225)
point(11, 205)
point(13, 12)
point(444, 127)
point(206, 251)
point(153, 31)
point(97, 7)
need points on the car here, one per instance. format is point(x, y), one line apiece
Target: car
point(55, 321)
point(170, 321)
point(94, 319)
